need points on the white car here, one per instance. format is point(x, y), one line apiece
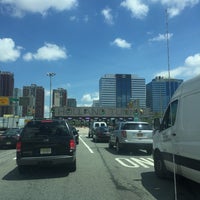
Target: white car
point(132, 135)
point(94, 126)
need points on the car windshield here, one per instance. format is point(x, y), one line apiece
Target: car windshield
point(133, 126)
point(40, 128)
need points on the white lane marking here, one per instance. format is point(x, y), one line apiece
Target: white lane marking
point(135, 162)
point(90, 150)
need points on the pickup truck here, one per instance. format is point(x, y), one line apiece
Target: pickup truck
point(132, 135)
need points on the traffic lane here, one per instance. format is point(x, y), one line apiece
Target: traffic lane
point(127, 181)
point(158, 188)
point(94, 175)
point(6, 160)
point(87, 182)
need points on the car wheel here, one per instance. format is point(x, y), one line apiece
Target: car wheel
point(110, 145)
point(159, 166)
point(93, 139)
point(118, 148)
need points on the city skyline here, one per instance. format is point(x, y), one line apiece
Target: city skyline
point(81, 42)
point(116, 91)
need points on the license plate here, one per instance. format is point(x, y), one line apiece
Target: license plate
point(139, 134)
point(45, 151)
point(8, 143)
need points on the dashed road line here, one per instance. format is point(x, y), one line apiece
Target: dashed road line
point(89, 149)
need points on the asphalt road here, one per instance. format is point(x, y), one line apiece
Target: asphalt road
point(101, 174)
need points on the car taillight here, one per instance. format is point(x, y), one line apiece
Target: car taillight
point(72, 145)
point(18, 146)
point(123, 133)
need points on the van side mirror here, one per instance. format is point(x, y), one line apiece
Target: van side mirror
point(157, 123)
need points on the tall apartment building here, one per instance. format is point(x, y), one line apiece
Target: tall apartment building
point(6, 89)
point(118, 90)
point(159, 92)
point(138, 91)
point(59, 97)
point(107, 91)
point(35, 106)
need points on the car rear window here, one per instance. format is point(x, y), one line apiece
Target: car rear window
point(12, 131)
point(40, 128)
point(96, 125)
point(133, 126)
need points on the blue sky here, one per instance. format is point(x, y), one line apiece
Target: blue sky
point(82, 40)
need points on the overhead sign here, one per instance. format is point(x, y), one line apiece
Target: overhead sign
point(4, 101)
point(92, 112)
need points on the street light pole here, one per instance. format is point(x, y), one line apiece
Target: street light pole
point(50, 74)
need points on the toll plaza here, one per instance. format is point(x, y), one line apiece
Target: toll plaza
point(89, 114)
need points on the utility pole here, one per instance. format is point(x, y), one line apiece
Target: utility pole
point(50, 74)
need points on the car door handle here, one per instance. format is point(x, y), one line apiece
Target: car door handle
point(173, 134)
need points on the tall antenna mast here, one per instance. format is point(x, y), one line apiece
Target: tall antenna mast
point(168, 60)
point(170, 94)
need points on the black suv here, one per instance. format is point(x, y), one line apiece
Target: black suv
point(46, 142)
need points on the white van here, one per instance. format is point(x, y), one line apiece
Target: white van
point(94, 126)
point(176, 140)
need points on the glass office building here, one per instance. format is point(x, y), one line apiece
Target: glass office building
point(107, 91)
point(159, 92)
point(123, 90)
point(118, 90)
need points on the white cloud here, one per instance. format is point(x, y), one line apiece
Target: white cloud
point(190, 68)
point(121, 43)
point(89, 98)
point(161, 37)
point(175, 7)
point(107, 15)
point(47, 52)
point(193, 60)
point(18, 7)
point(8, 50)
point(138, 9)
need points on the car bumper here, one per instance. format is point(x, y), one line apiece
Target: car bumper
point(103, 137)
point(46, 160)
point(137, 144)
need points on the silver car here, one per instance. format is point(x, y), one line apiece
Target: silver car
point(131, 134)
